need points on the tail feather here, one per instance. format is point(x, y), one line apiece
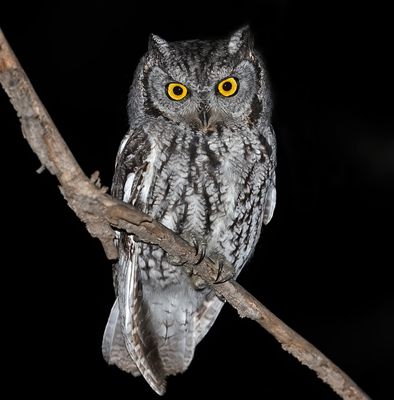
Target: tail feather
point(113, 346)
point(139, 337)
point(173, 324)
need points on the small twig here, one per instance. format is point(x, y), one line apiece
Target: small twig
point(99, 212)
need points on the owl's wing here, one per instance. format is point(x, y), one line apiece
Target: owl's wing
point(269, 199)
point(270, 180)
point(131, 163)
point(129, 320)
point(137, 332)
point(114, 347)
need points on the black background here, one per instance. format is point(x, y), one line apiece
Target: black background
point(324, 261)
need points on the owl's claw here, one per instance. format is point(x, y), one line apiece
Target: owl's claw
point(201, 248)
point(220, 265)
point(225, 272)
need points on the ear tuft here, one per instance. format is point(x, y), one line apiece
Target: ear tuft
point(240, 39)
point(157, 44)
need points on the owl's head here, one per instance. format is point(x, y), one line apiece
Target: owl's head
point(203, 84)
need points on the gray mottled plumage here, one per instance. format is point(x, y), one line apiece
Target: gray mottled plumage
point(204, 167)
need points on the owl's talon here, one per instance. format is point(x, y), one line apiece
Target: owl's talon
point(202, 255)
point(220, 297)
point(195, 244)
point(220, 270)
point(200, 248)
point(228, 274)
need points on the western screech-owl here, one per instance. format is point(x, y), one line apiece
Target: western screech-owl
point(199, 157)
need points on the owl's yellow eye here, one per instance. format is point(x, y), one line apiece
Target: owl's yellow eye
point(176, 91)
point(228, 87)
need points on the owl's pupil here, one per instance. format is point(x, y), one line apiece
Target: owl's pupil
point(227, 86)
point(177, 90)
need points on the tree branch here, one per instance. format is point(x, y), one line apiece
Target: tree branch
point(100, 212)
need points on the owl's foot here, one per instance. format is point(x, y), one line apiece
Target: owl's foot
point(225, 271)
point(174, 260)
point(198, 283)
point(201, 250)
point(200, 247)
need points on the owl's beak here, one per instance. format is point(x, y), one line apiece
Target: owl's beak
point(204, 118)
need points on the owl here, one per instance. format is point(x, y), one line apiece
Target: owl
point(199, 157)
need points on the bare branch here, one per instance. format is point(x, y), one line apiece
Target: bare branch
point(99, 212)
point(46, 141)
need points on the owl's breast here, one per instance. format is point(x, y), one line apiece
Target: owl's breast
point(205, 188)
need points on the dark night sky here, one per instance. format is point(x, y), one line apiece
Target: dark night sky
point(322, 264)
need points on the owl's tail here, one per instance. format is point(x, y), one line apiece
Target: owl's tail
point(169, 328)
point(134, 353)
point(154, 326)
